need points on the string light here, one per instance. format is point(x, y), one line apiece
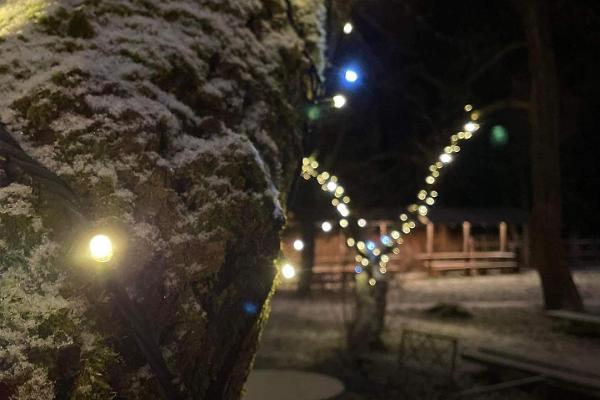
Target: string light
point(298, 245)
point(101, 249)
point(288, 271)
point(326, 226)
point(351, 76)
point(348, 28)
point(362, 222)
point(446, 158)
point(339, 101)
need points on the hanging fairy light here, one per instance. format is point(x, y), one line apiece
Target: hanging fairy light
point(298, 245)
point(348, 28)
point(326, 226)
point(288, 271)
point(101, 248)
point(339, 101)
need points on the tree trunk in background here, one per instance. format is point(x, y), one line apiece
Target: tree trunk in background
point(308, 232)
point(547, 249)
point(367, 325)
point(174, 123)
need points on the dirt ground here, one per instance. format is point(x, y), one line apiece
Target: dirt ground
point(505, 312)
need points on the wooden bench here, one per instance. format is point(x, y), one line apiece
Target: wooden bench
point(439, 262)
point(555, 375)
point(576, 322)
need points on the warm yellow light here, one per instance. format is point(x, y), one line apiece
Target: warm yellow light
point(344, 223)
point(288, 271)
point(471, 126)
point(395, 234)
point(343, 209)
point(362, 222)
point(468, 107)
point(101, 248)
point(298, 245)
point(348, 27)
point(350, 242)
point(326, 226)
point(445, 158)
point(339, 101)
point(372, 281)
point(430, 180)
point(331, 186)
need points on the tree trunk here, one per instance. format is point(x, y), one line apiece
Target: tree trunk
point(308, 231)
point(367, 326)
point(547, 249)
point(169, 126)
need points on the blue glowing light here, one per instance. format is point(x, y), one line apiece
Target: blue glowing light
point(351, 75)
point(250, 308)
point(370, 245)
point(358, 269)
point(386, 240)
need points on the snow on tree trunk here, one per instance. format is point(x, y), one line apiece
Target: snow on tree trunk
point(174, 124)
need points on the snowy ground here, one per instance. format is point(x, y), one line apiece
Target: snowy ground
point(506, 309)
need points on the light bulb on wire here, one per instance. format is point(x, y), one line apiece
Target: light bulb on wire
point(348, 28)
point(351, 75)
point(339, 101)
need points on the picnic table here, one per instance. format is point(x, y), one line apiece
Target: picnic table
point(576, 322)
point(538, 370)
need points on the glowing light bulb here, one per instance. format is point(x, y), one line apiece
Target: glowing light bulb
point(351, 76)
point(446, 158)
point(326, 226)
point(348, 27)
point(288, 271)
point(331, 186)
point(101, 248)
point(344, 223)
point(362, 222)
point(372, 281)
point(339, 101)
point(298, 245)
point(468, 107)
point(471, 126)
point(343, 209)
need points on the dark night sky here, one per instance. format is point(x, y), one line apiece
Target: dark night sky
point(418, 59)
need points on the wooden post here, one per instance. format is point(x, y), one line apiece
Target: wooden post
point(430, 231)
point(466, 242)
point(502, 229)
point(466, 236)
point(383, 227)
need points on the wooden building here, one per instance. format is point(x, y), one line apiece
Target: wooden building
point(469, 240)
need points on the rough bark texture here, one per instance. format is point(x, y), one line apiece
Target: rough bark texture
point(367, 325)
point(547, 249)
point(174, 124)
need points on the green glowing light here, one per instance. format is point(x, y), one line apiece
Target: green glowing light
point(499, 135)
point(314, 113)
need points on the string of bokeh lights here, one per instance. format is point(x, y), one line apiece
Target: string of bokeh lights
point(373, 257)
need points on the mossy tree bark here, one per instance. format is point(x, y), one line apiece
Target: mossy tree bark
point(174, 126)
